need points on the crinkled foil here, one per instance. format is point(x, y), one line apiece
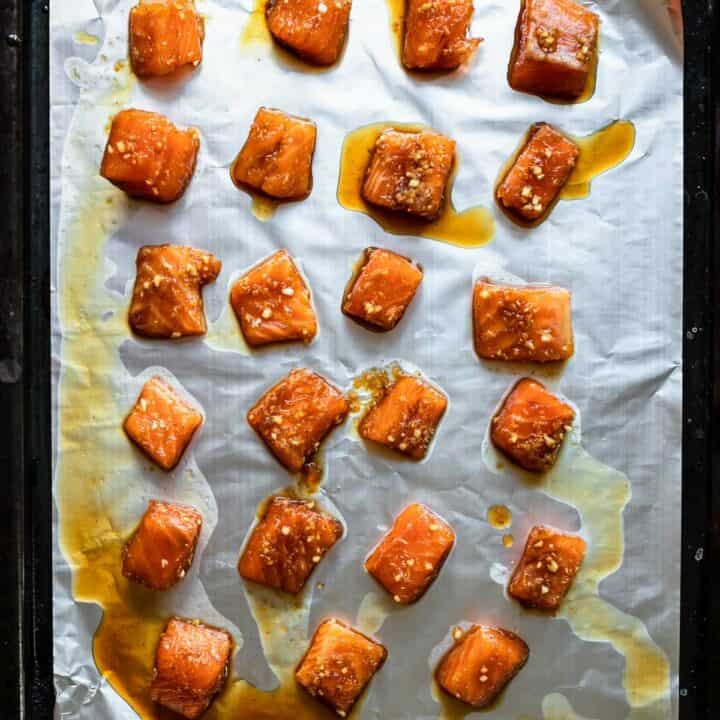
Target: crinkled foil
point(619, 251)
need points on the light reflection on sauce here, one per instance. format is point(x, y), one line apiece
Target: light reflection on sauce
point(372, 613)
point(470, 228)
point(557, 707)
point(600, 151)
point(590, 83)
point(499, 516)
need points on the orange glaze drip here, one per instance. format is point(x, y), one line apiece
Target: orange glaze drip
point(470, 228)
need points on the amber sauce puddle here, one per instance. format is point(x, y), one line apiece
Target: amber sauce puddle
point(257, 35)
point(263, 206)
point(603, 150)
point(470, 228)
point(499, 517)
point(600, 151)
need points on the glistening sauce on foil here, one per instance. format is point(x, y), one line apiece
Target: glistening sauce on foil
point(472, 227)
point(600, 494)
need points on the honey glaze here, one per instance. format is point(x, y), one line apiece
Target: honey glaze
point(600, 151)
point(450, 708)
point(499, 517)
point(263, 207)
point(557, 707)
point(470, 228)
point(256, 36)
point(224, 334)
point(603, 150)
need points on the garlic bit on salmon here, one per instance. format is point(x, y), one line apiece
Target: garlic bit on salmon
point(295, 415)
point(339, 665)
point(406, 417)
point(480, 664)
point(287, 544)
point(409, 172)
point(272, 303)
point(436, 34)
point(382, 289)
point(531, 425)
point(162, 423)
point(191, 666)
point(315, 30)
point(164, 36)
point(167, 298)
point(410, 556)
point(276, 159)
point(555, 47)
point(549, 563)
point(148, 157)
point(533, 182)
point(161, 550)
point(522, 323)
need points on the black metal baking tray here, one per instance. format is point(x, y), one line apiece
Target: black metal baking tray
point(26, 690)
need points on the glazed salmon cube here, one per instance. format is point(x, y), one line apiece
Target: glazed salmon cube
point(409, 172)
point(532, 185)
point(162, 423)
point(287, 544)
point(531, 425)
point(411, 555)
point(167, 299)
point(149, 158)
point(339, 665)
point(436, 34)
point(161, 550)
point(165, 35)
point(547, 568)
point(406, 417)
point(294, 416)
point(314, 30)
point(276, 159)
point(191, 666)
point(272, 303)
point(480, 664)
point(531, 323)
point(382, 289)
point(555, 46)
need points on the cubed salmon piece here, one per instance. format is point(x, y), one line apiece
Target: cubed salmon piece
point(436, 34)
point(548, 566)
point(339, 665)
point(272, 303)
point(314, 30)
point(287, 544)
point(480, 664)
point(161, 550)
point(534, 181)
point(191, 666)
point(294, 416)
point(165, 35)
point(148, 157)
point(555, 45)
point(409, 172)
point(531, 425)
point(382, 288)
point(531, 323)
point(167, 299)
point(162, 423)
point(406, 417)
point(276, 159)
point(411, 555)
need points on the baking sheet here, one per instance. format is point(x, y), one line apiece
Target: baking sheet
point(619, 251)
